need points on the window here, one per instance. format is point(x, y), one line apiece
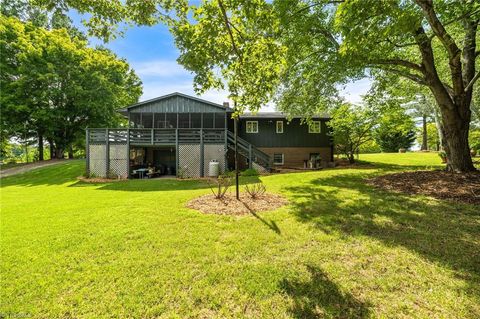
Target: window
point(252, 126)
point(279, 126)
point(314, 127)
point(278, 159)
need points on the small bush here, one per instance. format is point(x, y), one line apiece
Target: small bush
point(255, 190)
point(220, 186)
point(250, 172)
point(228, 173)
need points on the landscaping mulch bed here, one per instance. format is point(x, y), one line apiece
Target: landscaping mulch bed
point(95, 180)
point(229, 205)
point(438, 184)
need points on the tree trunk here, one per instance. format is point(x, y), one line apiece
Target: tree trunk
point(70, 152)
point(59, 153)
point(40, 147)
point(351, 157)
point(424, 134)
point(455, 128)
point(52, 149)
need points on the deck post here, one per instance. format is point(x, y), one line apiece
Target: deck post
point(87, 152)
point(225, 155)
point(249, 155)
point(107, 152)
point(151, 137)
point(226, 143)
point(128, 152)
point(202, 155)
point(176, 152)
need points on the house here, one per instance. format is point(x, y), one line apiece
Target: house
point(177, 134)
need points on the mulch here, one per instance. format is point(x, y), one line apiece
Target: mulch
point(229, 205)
point(95, 180)
point(438, 184)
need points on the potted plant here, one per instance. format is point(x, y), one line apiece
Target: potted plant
point(443, 156)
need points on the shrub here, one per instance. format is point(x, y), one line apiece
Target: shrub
point(220, 185)
point(250, 172)
point(255, 190)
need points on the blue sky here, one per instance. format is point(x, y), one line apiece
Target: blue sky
point(151, 52)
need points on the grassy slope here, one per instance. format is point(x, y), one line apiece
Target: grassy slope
point(131, 249)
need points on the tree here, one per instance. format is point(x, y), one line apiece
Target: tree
point(351, 127)
point(417, 40)
point(396, 130)
point(325, 43)
point(56, 86)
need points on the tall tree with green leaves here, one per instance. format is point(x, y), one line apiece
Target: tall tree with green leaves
point(56, 86)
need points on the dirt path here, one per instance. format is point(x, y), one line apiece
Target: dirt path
point(28, 167)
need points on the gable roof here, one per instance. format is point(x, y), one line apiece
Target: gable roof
point(167, 96)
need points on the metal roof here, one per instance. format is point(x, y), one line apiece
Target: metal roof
point(273, 115)
point(164, 97)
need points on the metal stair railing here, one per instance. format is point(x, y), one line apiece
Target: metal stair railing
point(249, 151)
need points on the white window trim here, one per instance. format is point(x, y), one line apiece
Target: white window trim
point(310, 127)
point(283, 159)
point(246, 127)
point(276, 127)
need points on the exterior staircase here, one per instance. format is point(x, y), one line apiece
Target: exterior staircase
point(250, 152)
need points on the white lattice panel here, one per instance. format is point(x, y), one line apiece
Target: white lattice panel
point(214, 152)
point(189, 160)
point(119, 160)
point(97, 161)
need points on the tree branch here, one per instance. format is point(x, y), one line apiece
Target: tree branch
point(227, 25)
point(448, 42)
point(472, 82)
point(414, 77)
point(400, 62)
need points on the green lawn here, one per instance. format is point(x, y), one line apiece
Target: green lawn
point(132, 250)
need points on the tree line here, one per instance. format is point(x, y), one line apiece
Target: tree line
point(54, 84)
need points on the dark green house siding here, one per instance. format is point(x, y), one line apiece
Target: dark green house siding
point(294, 134)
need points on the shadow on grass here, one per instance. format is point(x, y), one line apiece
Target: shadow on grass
point(269, 223)
point(156, 185)
point(443, 232)
point(57, 174)
point(320, 297)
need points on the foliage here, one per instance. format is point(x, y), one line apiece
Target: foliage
point(432, 136)
point(255, 190)
point(475, 139)
point(55, 86)
point(336, 235)
point(370, 147)
point(395, 130)
point(351, 127)
point(219, 186)
point(249, 172)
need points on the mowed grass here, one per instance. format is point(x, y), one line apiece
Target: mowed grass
point(132, 250)
point(412, 159)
